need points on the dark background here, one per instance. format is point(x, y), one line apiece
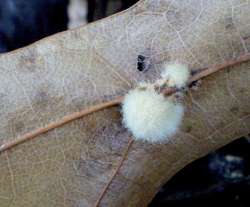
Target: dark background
point(220, 178)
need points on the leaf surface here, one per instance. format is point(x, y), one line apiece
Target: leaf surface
point(67, 72)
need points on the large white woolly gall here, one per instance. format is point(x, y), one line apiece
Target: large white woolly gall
point(176, 75)
point(150, 116)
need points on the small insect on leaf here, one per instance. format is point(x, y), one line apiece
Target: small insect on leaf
point(141, 63)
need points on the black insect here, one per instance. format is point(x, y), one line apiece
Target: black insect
point(141, 65)
point(193, 84)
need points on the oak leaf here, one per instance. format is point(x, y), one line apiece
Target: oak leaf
point(71, 165)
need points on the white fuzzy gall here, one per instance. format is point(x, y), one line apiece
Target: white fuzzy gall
point(150, 116)
point(176, 75)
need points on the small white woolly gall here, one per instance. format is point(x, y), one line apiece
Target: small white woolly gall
point(145, 85)
point(176, 75)
point(150, 116)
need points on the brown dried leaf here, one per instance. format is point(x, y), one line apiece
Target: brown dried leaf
point(70, 166)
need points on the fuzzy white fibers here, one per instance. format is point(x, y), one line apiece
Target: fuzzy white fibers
point(150, 116)
point(176, 75)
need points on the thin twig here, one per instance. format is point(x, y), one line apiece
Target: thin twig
point(66, 119)
point(69, 118)
point(124, 156)
point(215, 68)
point(208, 71)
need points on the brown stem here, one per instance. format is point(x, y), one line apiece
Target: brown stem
point(69, 118)
point(215, 68)
point(208, 71)
point(66, 119)
point(124, 156)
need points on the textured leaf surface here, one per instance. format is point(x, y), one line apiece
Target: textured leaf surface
point(70, 166)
